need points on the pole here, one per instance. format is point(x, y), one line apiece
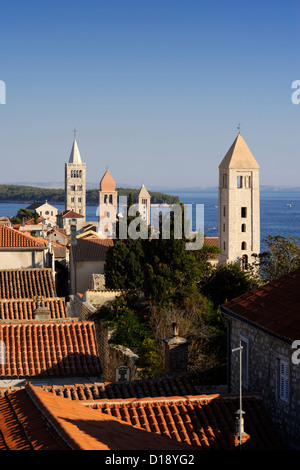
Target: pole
point(240, 348)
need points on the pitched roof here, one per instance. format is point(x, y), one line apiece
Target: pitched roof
point(143, 192)
point(107, 182)
point(26, 283)
point(70, 213)
point(273, 307)
point(49, 348)
point(11, 238)
point(239, 156)
point(75, 154)
point(91, 249)
point(33, 419)
point(161, 387)
point(202, 421)
point(22, 309)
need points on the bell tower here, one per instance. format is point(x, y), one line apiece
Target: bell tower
point(239, 205)
point(75, 182)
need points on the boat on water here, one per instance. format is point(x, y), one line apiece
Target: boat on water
point(288, 205)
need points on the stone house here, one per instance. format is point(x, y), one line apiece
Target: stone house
point(87, 258)
point(266, 323)
point(45, 210)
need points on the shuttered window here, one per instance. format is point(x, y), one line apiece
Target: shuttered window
point(284, 381)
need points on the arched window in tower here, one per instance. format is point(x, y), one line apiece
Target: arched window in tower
point(244, 246)
point(72, 173)
point(239, 181)
point(110, 199)
point(105, 198)
point(80, 173)
point(224, 180)
point(243, 228)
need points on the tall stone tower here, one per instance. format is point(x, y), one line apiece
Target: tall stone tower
point(239, 206)
point(144, 202)
point(75, 182)
point(108, 205)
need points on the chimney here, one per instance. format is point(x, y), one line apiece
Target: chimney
point(41, 313)
point(240, 436)
point(176, 353)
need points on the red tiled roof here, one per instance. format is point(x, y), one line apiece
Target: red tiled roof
point(33, 419)
point(22, 309)
point(211, 241)
point(92, 249)
point(50, 348)
point(273, 307)
point(26, 283)
point(70, 213)
point(165, 386)
point(205, 421)
point(13, 239)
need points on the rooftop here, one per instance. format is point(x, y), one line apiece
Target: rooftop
point(26, 283)
point(239, 156)
point(273, 307)
point(33, 419)
point(91, 249)
point(11, 238)
point(49, 348)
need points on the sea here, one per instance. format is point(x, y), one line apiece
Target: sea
point(279, 212)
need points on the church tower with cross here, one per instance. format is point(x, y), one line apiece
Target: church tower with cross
point(75, 182)
point(239, 205)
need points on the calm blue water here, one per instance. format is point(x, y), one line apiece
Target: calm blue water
point(276, 218)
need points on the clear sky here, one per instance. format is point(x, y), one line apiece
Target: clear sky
point(155, 88)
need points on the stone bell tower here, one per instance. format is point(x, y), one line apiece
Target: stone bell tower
point(75, 182)
point(239, 205)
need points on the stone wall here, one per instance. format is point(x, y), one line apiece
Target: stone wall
point(110, 356)
point(264, 354)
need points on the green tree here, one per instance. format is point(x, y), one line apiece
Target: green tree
point(226, 282)
point(281, 257)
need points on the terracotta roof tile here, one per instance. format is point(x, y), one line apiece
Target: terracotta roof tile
point(166, 386)
point(22, 309)
point(33, 419)
point(13, 239)
point(273, 307)
point(53, 348)
point(26, 283)
point(205, 421)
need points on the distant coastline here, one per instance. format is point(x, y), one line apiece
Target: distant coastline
point(23, 194)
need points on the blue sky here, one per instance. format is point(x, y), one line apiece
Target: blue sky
point(155, 88)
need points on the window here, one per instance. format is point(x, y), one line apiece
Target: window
point(224, 246)
point(79, 199)
point(224, 228)
point(105, 198)
point(79, 187)
point(224, 211)
point(225, 180)
point(239, 181)
point(244, 246)
point(244, 212)
point(110, 199)
point(72, 199)
point(243, 228)
point(284, 381)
